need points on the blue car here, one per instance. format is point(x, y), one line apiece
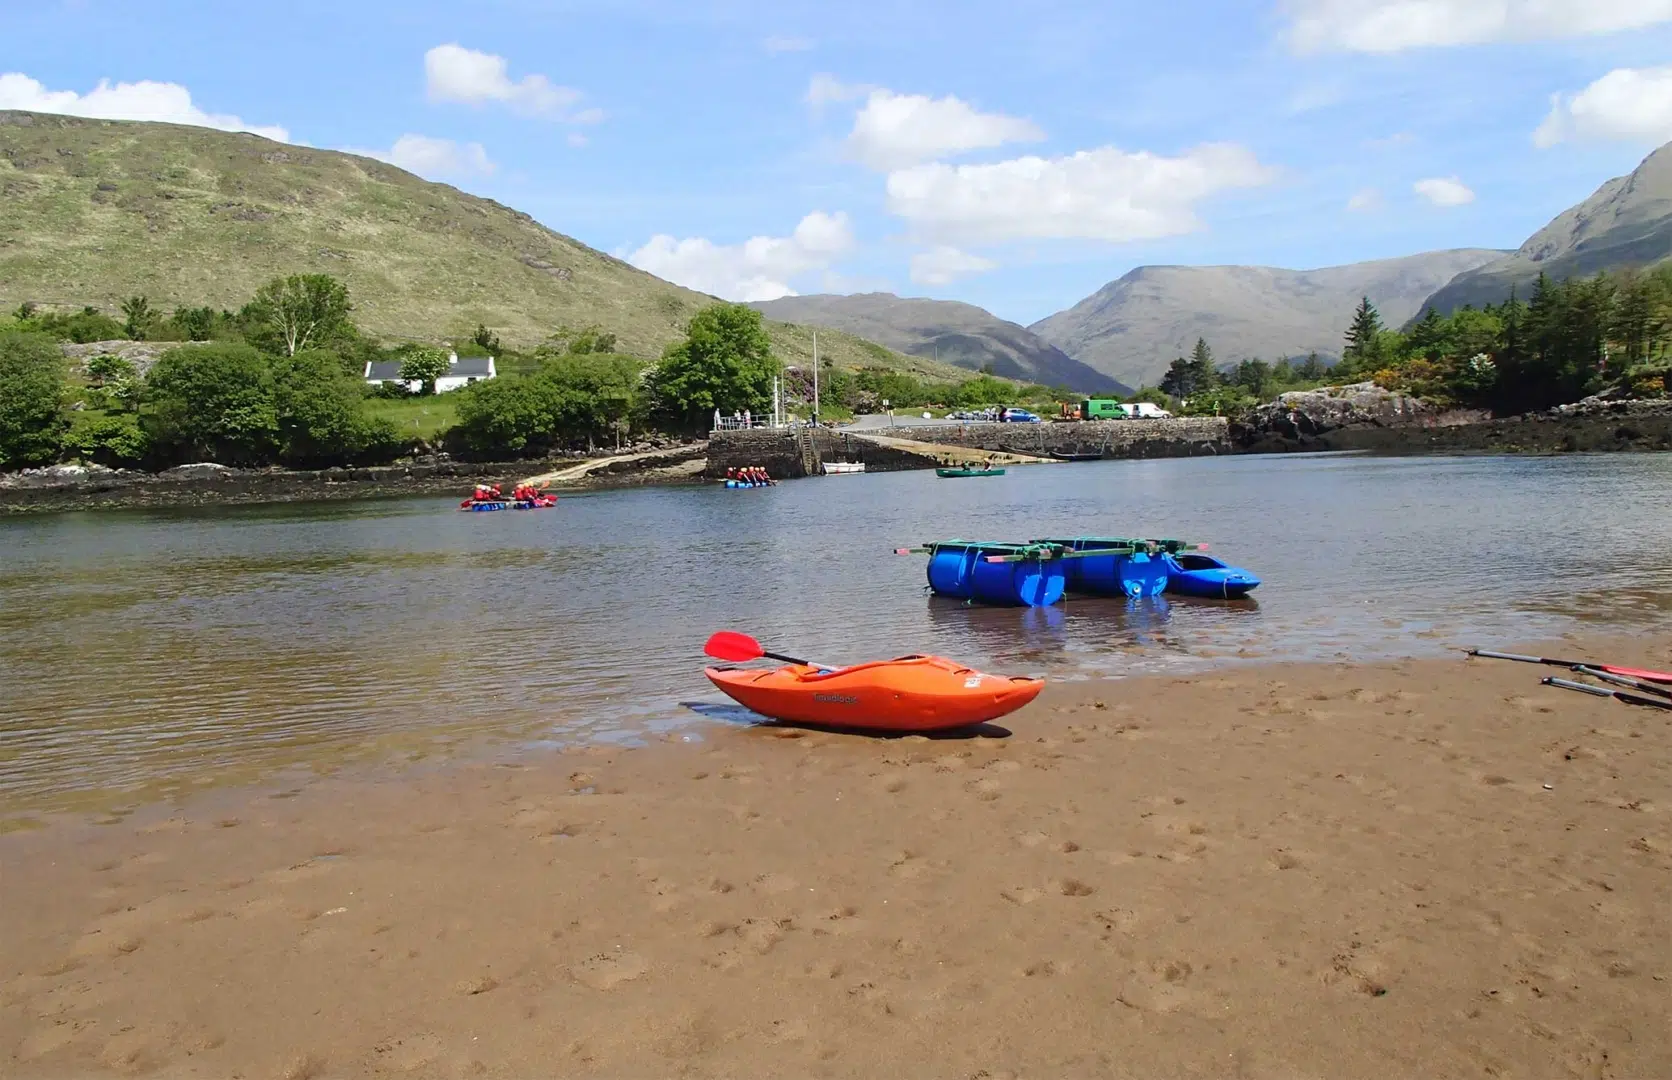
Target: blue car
point(1019, 416)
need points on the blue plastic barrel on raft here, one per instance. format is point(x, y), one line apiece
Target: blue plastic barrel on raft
point(1136, 575)
point(962, 570)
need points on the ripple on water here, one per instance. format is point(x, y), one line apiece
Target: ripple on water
point(163, 650)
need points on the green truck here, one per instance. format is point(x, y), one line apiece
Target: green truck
point(1101, 409)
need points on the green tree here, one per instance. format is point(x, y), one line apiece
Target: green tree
point(212, 402)
point(486, 339)
point(1364, 335)
point(137, 311)
point(1254, 377)
point(289, 314)
point(320, 413)
point(1312, 370)
point(578, 340)
point(107, 368)
point(115, 441)
point(425, 366)
point(724, 363)
point(32, 422)
point(195, 324)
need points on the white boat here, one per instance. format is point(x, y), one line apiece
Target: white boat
point(833, 468)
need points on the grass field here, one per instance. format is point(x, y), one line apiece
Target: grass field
point(417, 417)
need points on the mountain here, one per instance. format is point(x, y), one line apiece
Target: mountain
point(1627, 222)
point(962, 334)
point(1133, 327)
point(93, 211)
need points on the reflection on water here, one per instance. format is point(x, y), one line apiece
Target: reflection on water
point(149, 652)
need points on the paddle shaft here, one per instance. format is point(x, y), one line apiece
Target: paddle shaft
point(1615, 669)
point(1600, 691)
point(1621, 680)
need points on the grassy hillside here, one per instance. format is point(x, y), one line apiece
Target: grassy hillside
point(93, 211)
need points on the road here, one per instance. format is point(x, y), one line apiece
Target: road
point(874, 421)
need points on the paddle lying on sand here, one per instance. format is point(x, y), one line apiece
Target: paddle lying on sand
point(1603, 691)
point(1621, 680)
point(1612, 669)
point(738, 648)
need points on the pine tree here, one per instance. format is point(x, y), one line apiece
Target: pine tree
point(1362, 337)
point(1203, 375)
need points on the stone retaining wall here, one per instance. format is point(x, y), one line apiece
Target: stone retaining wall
point(1186, 436)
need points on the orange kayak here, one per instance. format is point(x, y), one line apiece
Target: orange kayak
point(909, 693)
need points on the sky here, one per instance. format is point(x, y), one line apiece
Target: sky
point(1017, 156)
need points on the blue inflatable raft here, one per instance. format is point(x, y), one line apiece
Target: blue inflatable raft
point(960, 568)
point(1135, 575)
point(1191, 574)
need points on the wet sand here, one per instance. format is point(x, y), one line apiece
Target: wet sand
point(1428, 869)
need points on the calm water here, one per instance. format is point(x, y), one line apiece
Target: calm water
point(146, 653)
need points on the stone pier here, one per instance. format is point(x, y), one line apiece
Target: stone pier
point(780, 454)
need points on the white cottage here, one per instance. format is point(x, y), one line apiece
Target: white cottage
point(461, 371)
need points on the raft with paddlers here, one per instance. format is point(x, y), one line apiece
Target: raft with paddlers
point(748, 476)
point(907, 694)
point(488, 497)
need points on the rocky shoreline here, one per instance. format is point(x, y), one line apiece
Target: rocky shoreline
point(1365, 417)
point(1361, 417)
point(81, 487)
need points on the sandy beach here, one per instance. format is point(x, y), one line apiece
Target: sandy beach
point(1424, 869)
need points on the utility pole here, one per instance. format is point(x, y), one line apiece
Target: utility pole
point(815, 378)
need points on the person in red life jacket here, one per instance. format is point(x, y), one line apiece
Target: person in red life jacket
point(494, 491)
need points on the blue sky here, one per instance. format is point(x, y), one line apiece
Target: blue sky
point(1014, 155)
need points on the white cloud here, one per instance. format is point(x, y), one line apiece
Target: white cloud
point(166, 102)
point(1102, 194)
point(1628, 104)
point(430, 157)
point(1444, 191)
point(893, 130)
point(1387, 26)
point(780, 44)
point(944, 264)
point(826, 89)
point(577, 139)
point(1365, 199)
point(455, 73)
point(760, 268)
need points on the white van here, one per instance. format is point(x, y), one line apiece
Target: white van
point(1144, 410)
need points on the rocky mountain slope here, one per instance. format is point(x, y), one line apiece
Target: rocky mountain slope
point(962, 334)
point(1627, 222)
point(93, 211)
point(1133, 327)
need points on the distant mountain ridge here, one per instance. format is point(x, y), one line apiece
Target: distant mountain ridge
point(1133, 327)
point(962, 334)
point(1626, 222)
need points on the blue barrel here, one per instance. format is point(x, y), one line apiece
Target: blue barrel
point(1135, 575)
point(961, 570)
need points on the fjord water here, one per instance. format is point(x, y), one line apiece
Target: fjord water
point(146, 653)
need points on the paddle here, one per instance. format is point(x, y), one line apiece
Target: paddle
point(1601, 691)
point(1621, 680)
point(738, 648)
point(1613, 669)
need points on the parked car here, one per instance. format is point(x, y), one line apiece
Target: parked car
point(1018, 416)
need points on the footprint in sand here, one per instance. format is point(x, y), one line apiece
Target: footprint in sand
point(773, 883)
point(1022, 894)
point(606, 971)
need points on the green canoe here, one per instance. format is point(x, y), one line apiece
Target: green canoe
point(943, 473)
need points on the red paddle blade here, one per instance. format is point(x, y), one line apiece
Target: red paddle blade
point(733, 646)
point(1635, 673)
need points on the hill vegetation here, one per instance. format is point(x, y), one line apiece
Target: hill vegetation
point(280, 381)
point(1626, 223)
point(1567, 340)
point(93, 212)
